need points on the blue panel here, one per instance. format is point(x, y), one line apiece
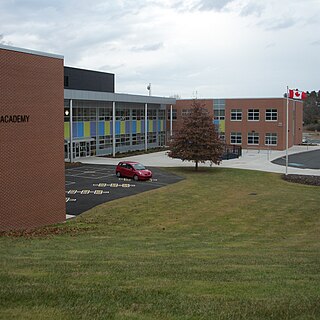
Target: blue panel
point(101, 128)
point(118, 126)
point(134, 126)
point(155, 122)
point(75, 129)
point(142, 126)
point(127, 127)
point(80, 130)
point(93, 129)
point(216, 122)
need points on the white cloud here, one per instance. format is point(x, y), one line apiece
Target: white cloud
point(222, 48)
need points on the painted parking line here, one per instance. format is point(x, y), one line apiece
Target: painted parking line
point(114, 185)
point(70, 199)
point(86, 192)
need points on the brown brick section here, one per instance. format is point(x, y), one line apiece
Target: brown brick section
point(244, 126)
point(32, 186)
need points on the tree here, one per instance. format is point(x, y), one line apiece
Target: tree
point(311, 108)
point(197, 140)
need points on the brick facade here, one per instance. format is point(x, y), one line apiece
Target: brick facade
point(32, 188)
point(263, 128)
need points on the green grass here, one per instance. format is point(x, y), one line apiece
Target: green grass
point(222, 244)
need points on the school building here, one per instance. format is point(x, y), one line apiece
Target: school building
point(257, 123)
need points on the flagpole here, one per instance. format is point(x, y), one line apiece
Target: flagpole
point(287, 129)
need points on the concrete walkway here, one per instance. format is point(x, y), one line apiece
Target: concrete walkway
point(251, 160)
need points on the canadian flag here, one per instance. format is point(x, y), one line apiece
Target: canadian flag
point(296, 94)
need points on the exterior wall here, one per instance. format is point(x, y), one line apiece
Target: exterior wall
point(92, 127)
point(221, 110)
point(32, 189)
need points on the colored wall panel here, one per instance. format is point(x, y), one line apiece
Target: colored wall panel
point(142, 126)
point(74, 130)
point(80, 129)
point(118, 127)
point(107, 128)
point(138, 126)
point(155, 122)
point(127, 127)
point(122, 127)
point(93, 129)
point(134, 126)
point(67, 130)
point(86, 129)
point(222, 127)
point(150, 125)
point(101, 128)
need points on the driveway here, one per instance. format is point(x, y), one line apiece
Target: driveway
point(303, 160)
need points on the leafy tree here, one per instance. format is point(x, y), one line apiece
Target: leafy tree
point(311, 108)
point(197, 140)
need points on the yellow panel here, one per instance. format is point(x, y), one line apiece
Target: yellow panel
point(138, 126)
point(67, 130)
point(150, 126)
point(122, 127)
point(222, 126)
point(87, 128)
point(107, 128)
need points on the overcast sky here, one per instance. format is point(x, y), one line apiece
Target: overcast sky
point(208, 48)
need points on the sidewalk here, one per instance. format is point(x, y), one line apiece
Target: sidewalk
point(251, 160)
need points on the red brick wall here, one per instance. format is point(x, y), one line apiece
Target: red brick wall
point(262, 127)
point(32, 187)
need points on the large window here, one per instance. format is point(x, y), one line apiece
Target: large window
point(271, 139)
point(253, 114)
point(219, 114)
point(236, 138)
point(236, 114)
point(271, 115)
point(174, 114)
point(253, 138)
point(185, 112)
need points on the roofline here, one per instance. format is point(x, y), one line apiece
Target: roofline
point(29, 51)
point(115, 97)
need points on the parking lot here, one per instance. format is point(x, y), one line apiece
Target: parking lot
point(90, 185)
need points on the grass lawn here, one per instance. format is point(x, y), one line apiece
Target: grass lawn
point(222, 244)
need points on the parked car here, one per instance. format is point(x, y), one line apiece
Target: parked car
point(134, 170)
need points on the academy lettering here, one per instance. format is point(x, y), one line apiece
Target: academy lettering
point(15, 118)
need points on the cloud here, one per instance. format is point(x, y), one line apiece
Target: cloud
point(148, 47)
point(315, 43)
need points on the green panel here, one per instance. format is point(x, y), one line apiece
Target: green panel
point(107, 128)
point(67, 130)
point(138, 126)
point(150, 125)
point(222, 126)
point(87, 129)
point(122, 127)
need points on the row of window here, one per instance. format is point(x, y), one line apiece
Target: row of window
point(105, 114)
point(236, 114)
point(127, 139)
point(271, 139)
point(254, 115)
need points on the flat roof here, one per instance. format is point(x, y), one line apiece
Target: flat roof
point(34, 52)
point(116, 97)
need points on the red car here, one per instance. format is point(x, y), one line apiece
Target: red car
point(134, 170)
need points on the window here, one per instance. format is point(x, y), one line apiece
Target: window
point(236, 138)
point(271, 115)
point(253, 138)
point(219, 114)
point(174, 114)
point(185, 112)
point(236, 114)
point(253, 114)
point(222, 136)
point(271, 139)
